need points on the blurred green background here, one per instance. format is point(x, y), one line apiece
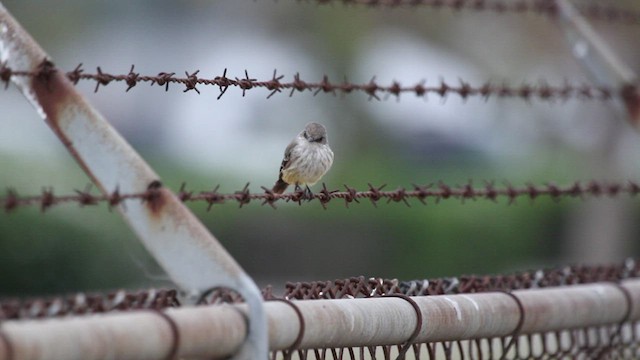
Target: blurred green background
point(202, 141)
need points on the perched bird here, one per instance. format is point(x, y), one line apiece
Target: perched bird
point(306, 159)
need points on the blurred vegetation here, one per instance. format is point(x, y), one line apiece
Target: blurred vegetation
point(67, 249)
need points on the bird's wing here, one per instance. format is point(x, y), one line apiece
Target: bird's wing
point(287, 156)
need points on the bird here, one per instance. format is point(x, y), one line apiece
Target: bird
point(307, 158)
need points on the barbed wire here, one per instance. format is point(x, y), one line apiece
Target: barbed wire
point(422, 193)
point(84, 303)
point(527, 91)
point(361, 287)
point(593, 11)
point(348, 288)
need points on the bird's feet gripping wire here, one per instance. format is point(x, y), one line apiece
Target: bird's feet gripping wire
point(306, 194)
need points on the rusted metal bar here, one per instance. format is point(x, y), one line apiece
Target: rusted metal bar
point(215, 331)
point(603, 64)
point(180, 243)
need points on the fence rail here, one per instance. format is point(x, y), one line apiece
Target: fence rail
point(216, 331)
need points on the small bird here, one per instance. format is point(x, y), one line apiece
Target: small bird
point(306, 159)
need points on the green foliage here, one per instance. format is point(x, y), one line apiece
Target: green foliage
point(64, 251)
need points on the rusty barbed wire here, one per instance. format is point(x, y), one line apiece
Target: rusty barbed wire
point(82, 303)
point(594, 11)
point(422, 193)
point(361, 287)
point(527, 91)
point(353, 287)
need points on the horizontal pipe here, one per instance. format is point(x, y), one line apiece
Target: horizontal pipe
point(218, 331)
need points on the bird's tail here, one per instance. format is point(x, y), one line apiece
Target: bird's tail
point(280, 186)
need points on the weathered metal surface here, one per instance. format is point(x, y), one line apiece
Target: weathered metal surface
point(603, 64)
point(181, 244)
point(215, 331)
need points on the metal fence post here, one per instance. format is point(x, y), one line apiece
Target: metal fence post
point(181, 244)
point(602, 63)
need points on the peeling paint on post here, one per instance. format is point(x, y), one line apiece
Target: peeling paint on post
point(186, 250)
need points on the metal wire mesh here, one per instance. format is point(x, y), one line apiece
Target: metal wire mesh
point(350, 288)
point(587, 343)
point(605, 342)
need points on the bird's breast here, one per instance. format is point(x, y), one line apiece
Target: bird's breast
point(309, 162)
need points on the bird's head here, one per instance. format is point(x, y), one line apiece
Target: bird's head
point(315, 132)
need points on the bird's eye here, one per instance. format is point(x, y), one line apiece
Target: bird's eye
point(320, 139)
point(305, 135)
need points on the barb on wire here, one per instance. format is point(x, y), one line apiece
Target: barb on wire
point(436, 192)
point(594, 11)
point(541, 91)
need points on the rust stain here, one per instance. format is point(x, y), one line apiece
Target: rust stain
point(631, 95)
point(55, 93)
point(57, 97)
point(156, 198)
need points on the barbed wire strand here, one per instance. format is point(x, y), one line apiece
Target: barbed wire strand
point(527, 91)
point(347, 288)
point(436, 192)
point(594, 11)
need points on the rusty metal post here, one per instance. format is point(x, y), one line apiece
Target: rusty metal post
point(602, 63)
point(181, 244)
point(601, 231)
